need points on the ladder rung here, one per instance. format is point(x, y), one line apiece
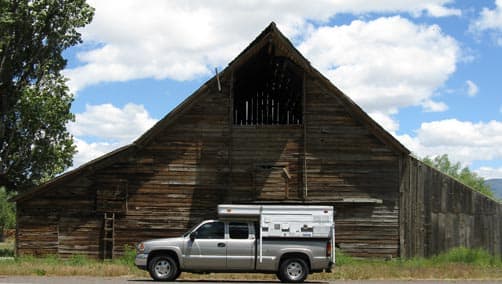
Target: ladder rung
point(108, 229)
point(107, 239)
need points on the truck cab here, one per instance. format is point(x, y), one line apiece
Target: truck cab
point(220, 246)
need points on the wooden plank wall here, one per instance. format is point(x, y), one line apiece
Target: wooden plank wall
point(60, 222)
point(36, 236)
point(439, 213)
point(345, 160)
point(259, 154)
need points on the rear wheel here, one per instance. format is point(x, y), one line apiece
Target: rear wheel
point(163, 268)
point(293, 270)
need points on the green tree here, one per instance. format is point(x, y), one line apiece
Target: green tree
point(7, 214)
point(463, 174)
point(34, 99)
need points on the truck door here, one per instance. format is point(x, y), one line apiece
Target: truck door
point(240, 247)
point(208, 251)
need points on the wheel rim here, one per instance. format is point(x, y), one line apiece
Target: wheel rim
point(162, 268)
point(294, 270)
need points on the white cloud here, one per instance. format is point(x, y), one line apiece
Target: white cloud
point(112, 127)
point(182, 40)
point(385, 64)
point(463, 141)
point(89, 151)
point(489, 172)
point(490, 20)
point(432, 106)
point(385, 120)
point(111, 123)
point(472, 88)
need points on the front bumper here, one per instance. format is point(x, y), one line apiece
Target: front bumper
point(141, 260)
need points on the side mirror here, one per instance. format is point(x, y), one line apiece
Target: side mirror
point(193, 235)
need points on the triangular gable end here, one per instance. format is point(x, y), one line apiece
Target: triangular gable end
point(272, 35)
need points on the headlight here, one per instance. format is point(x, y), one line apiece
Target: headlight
point(140, 247)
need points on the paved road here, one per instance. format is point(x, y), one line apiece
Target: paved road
point(128, 280)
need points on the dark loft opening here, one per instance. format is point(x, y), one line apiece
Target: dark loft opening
point(268, 90)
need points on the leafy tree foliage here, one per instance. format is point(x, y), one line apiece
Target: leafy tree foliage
point(463, 174)
point(7, 214)
point(34, 99)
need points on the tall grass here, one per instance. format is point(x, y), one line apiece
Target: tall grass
point(343, 259)
point(479, 257)
point(458, 263)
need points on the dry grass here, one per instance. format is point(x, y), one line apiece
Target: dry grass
point(380, 271)
point(457, 264)
point(377, 271)
point(52, 266)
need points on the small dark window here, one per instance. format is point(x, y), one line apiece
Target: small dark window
point(213, 230)
point(268, 90)
point(238, 230)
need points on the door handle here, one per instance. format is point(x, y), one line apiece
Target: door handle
point(221, 245)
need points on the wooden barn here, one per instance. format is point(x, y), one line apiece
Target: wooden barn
point(268, 129)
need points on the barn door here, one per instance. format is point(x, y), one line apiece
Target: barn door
point(271, 182)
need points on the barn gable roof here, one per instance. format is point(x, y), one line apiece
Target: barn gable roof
point(271, 34)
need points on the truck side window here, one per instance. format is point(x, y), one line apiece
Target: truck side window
point(213, 230)
point(238, 230)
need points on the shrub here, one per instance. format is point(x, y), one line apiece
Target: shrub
point(468, 256)
point(342, 258)
point(7, 212)
point(128, 257)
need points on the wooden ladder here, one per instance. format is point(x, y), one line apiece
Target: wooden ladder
point(108, 235)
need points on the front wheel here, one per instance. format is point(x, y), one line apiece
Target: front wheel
point(163, 268)
point(293, 270)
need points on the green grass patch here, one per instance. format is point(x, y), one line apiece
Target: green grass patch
point(478, 257)
point(128, 257)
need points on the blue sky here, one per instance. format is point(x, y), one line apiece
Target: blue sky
point(428, 71)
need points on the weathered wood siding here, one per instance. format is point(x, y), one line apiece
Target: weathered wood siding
point(61, 221)
point(346, 161)
point(439, 213)
point(261, 156)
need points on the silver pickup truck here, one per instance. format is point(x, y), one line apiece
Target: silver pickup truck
point(234, 246)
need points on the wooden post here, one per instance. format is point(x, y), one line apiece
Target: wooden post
point(230, 135)
point(305, 179)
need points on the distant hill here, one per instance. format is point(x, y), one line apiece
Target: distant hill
point(496, 185)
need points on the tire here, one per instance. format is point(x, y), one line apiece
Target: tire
point(293, 270)
point(163, 268)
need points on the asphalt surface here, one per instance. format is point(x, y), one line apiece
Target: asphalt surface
point(123, 280)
